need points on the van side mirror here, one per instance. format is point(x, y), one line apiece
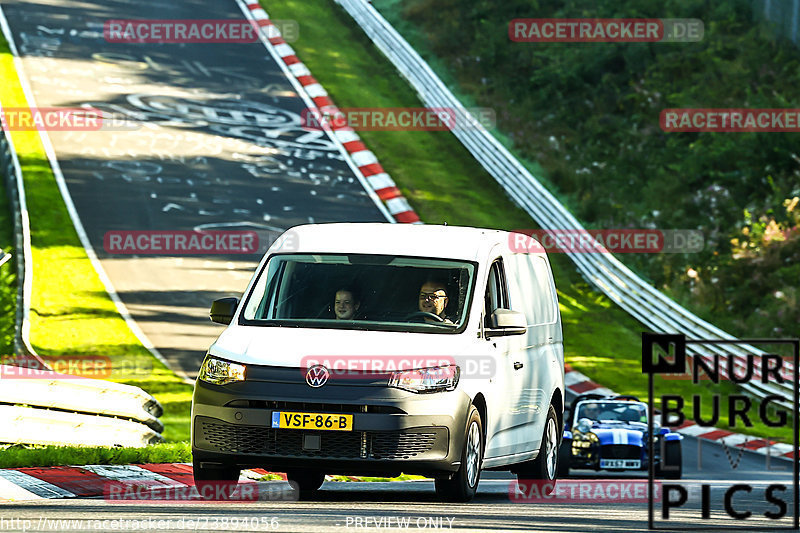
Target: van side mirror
point(222, 310)
point(507, 322)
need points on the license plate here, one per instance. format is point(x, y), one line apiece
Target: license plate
point(321, 421)
point(620, 463)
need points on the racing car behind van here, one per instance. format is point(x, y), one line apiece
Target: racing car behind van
point(610, 433)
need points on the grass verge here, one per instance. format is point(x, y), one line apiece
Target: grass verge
point(71, 313)
point(444, 183)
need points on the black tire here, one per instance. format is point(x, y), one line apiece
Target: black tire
point(564, 456)
point(308, 482)
point(671, 459)
point(545, 467)
point(215, 480)
point(464, 483)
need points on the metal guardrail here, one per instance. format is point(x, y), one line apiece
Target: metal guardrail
point(50, 408)
point(603, 270)
point(23, 425)
point(52, 390)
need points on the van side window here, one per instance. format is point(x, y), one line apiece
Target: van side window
point(496, 291)
point(546, 306)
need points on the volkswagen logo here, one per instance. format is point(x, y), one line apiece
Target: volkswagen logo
point(317, 376)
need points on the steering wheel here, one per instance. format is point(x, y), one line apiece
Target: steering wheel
point(424, 314)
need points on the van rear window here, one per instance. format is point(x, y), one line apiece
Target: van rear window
point(361, 291)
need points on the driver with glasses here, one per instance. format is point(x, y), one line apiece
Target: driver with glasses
point(433, 300)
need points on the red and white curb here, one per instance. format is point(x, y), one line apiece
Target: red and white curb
point(580, 384)
point(42, 483)
point(366, 162)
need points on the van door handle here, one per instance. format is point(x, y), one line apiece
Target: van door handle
point(517, 365)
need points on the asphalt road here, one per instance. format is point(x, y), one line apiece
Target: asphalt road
point(342, 506)
point(220, 147)
point(217, 144)
point(585, 501)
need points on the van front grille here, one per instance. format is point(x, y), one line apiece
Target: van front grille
point(315, 407)
point(214, 435)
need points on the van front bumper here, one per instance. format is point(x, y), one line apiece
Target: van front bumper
point(393, 430)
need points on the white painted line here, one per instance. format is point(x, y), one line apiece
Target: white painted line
point(781, 448)
point(284, 50)
point(315, 90)
point(736, 439)
point(11, 491)
point(131, 473)
point(33, 485)
point(363, 158)
point(272, 31)
point(694, 430)
point(381, 181)
point(299, 69)
point(346, 135)
point(398, 205)
point(259, 14)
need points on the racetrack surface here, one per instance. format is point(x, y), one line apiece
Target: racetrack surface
point(198, 161)
point(586, 501)
point(413, 506)
point(218, 145)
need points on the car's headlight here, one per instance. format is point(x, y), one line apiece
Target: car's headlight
point(219, 372)
point(583, 440)
point(585, 425)
point(434, 379)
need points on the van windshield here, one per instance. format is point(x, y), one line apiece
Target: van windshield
point(361, 291)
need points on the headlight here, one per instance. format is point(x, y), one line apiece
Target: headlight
point(219, 372)
point(584, 425)
point(435, 379)
point(583, 440)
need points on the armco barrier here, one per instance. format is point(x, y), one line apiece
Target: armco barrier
point(61, 411)
point(23, 425)
point(51, 390)
point(603, 270)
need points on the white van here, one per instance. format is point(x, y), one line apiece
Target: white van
point(376, 349)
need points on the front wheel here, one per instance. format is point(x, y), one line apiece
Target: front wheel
point(564, 456)
point(215, 481)
point(545, 467)
point(464, 483)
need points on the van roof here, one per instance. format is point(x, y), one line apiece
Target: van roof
point(450, 242)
